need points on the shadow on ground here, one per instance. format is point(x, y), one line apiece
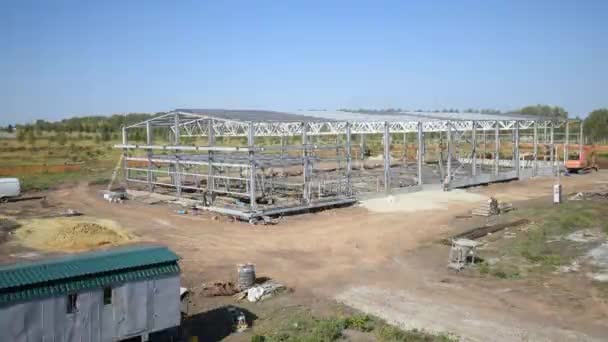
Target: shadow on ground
point(216, 324)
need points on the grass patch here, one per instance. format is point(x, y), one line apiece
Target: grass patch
point(45, 181)
point(541, 248)
point(304, 327)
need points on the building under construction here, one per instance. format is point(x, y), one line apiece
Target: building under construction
point(250, 163)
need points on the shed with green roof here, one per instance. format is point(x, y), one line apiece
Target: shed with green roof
point(97, 296)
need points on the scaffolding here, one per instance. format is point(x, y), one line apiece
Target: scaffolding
point(251, 163)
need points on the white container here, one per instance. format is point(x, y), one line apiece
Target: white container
point(9, 187)
point(557, 193)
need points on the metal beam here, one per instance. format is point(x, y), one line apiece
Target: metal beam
point(516, 148)
point(149, 154)
point(349, 187)
point(581, 141)
point(474, 149)
point(305, 167)
point(420, 152)
point(448, 177)
point(566, 141)
point(210, 179)
point(496, 148)
point(552, 145)
point(535, 151)
point(387, 157)
point(251, 143)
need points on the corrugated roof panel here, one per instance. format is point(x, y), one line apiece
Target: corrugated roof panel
point(83, 264)
point(71, 285)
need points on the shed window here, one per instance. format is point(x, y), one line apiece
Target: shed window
point(107, 295)
point(72, 299)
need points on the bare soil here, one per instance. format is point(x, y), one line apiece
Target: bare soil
point(385, 260)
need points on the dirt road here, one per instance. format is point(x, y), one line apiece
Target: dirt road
point(361, 258)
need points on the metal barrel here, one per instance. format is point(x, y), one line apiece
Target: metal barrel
point(246, 275)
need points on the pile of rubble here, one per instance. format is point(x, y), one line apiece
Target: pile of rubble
point(597, 195)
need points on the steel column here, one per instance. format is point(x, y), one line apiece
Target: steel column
point(535, 151)
point(516, 148)
point(420, 152)
point(125, 171)
point(252, 186)
point(149, 154)
point(581, 141)
point(211, 143)
point(305, 171)
point(496, 147)
point(349, 187)
point(176, 141)
point(474, 149)
point(387, 157)
point(362, 148)
point(566, 141)
point(552, 144)
point(405, 149)
point(448, 177)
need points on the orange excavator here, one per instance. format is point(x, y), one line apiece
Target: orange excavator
point(587, 161)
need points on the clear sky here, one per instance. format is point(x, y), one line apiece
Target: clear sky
point(64, 58)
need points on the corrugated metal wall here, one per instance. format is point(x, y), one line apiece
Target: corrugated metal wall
point(137, 308)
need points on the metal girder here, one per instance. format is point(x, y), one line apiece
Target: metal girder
point(192, 124)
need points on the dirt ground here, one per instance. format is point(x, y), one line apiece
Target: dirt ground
point(387, 264)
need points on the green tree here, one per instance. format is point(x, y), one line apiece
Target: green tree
point(9, 128)
point(596, 125)
point(545, 110)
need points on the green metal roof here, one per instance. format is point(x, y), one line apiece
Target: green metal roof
point(78, 272)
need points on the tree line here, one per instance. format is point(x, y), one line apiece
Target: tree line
point(106, 128)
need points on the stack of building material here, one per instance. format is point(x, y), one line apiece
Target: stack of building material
point(487, 209)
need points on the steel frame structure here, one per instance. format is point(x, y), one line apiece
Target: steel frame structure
point(319, 165)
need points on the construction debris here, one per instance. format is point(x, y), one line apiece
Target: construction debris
point(71, 212)
point(596, 195)
point(487, 209)
point(114, 196)
point(260, 292)
point(218, 288)
point(492, 207)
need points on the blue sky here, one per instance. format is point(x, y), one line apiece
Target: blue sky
point(64, 58)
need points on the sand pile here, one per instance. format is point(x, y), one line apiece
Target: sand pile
point(432, 198)
point(71, 233)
